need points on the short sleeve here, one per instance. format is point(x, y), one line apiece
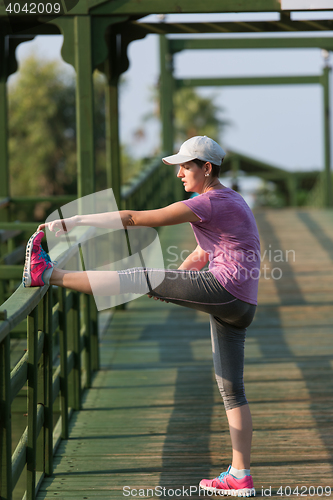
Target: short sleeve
point(201, 207)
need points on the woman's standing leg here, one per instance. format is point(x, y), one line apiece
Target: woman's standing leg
point(240, 426)
point(228, 355)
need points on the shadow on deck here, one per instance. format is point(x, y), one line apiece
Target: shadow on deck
point(154, 416)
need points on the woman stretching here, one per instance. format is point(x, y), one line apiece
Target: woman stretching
point(227, 237)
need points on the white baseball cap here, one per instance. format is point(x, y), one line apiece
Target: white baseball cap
point(199, 147)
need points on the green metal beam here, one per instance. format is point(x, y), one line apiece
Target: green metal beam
point(166, 95)
point(144, 7)
point(84, 105)
point(6, 427)
point(115, 63)
point(327, 138)
point(4, 174)
point(235, 81)
point(112, 139)
point(250, 43)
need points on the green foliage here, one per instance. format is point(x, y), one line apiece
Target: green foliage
point(193, 115)
point(269, 195)
point(196, 115)
point(42, 157)
point(130, 167)
point(42, 134)
point(316, 197)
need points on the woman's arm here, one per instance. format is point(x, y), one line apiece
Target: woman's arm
point(177, 213)
point(196, 260)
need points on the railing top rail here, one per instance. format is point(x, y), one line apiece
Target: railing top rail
point(128, 189)
point(24, 300)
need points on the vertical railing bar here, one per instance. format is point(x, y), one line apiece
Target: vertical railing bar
point(87, 335)
point(77, 352)
point(5, 422)
point(48, 381)
point(63, 362)
point(94, 335)
point(32, 329)
point(41, 386)
point(93, 327)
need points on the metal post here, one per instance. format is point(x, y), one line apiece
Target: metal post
point(4, 173)
point(32, 333)
point(5, 422)
point(112, 141)
point(327, 136)
point(84, 106)
point(166, 95)
point(112, 121)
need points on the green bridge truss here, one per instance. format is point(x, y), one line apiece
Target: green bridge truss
point(97, 35)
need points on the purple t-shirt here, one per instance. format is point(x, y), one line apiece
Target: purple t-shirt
point(227, 231)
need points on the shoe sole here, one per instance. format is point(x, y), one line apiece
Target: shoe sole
point(244, 492)
point(26, 279)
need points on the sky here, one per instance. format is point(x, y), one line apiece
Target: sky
point(281, 125)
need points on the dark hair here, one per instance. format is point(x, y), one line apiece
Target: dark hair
point(215, 168)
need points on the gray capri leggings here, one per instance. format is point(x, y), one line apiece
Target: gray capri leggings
point(229, 318)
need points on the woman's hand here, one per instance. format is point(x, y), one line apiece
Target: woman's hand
point(59, 226)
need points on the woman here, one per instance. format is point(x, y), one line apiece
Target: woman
point(228, 239)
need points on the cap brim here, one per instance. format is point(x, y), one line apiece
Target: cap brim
point(177, 159)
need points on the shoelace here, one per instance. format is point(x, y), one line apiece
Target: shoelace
point(222, 475)
point(44, 255)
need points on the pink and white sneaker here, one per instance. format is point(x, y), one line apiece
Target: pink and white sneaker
point(227, 484)
point(37, 261)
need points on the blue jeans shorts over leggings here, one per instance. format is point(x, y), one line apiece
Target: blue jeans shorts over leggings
point(229, 318)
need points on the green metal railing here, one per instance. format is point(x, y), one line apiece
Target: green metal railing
point(62, 348)
point(62, 353)
point(154, 187)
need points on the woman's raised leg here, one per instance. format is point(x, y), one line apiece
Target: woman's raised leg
point(92, 282)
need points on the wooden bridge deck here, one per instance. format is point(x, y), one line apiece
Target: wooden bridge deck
point(154, 416)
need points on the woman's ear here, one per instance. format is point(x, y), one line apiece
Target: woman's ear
point(208, 168)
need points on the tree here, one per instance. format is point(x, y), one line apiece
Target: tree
point(42, 157)
point(194, 114)
point(42, 131)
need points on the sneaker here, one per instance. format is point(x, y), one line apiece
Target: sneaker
point(227, 484)
point(37, 261)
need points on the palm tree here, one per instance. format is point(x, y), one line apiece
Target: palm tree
point(193, 115)
point(196, 115)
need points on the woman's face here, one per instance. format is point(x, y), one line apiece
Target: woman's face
point(192, 176)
